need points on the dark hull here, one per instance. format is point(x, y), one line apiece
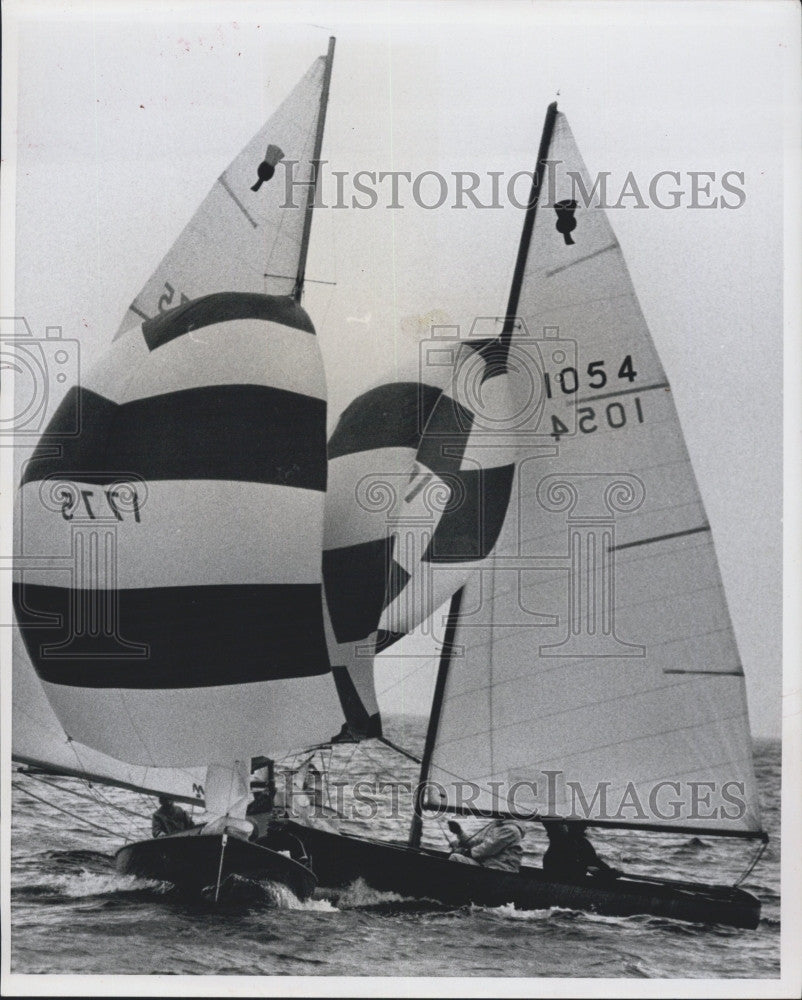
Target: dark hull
point(338, 860)
point(192, 862)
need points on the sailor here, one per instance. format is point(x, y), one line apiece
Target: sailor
point(169, 818)
point(273, 830)
point(497, 845)
point(570, 855)
point(262, 802)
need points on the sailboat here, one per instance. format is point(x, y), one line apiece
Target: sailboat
point(588, 663)
point(170, 553)
point(165, 577)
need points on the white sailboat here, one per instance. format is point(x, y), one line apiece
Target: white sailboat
point(589, 670)
point(170, 552)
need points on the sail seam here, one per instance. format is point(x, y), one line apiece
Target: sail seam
point(636, 739)
point(587, 704)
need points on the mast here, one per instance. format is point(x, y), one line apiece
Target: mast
point(416, 827)
point(526, 234)
point(310, 200)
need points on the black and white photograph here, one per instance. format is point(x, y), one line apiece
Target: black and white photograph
point(400, 461)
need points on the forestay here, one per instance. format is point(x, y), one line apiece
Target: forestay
point(595, 660)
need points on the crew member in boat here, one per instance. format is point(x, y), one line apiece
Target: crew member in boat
point(169, 818)
point(570, 854)
point(497, 845)
point(270, 814)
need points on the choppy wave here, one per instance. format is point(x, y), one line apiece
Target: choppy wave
point(71, 912)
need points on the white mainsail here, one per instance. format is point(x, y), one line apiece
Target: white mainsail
point(169, 583)
point(594, 661)
point(248, 233)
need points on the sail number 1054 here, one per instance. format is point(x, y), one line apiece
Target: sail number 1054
point(568, 378)
point(589, 418)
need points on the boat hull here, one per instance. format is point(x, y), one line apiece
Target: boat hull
point(338, 860)
point(192, 862)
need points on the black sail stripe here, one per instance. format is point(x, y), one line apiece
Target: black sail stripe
point(221, 307)
point(389, 416)
point(446, 436)
point(355, 576)
point(397, 578)
point(193, 636)
point(385, 639)
point(249, 433)
point(360, 723)
point(471, 528)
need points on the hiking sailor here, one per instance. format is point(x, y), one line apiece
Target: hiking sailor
point(570, 854)
point(169, 818)
point(497, 845)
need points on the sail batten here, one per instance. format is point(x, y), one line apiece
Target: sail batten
point(596, 673)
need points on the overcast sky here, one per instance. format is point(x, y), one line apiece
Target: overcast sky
point(128, 113)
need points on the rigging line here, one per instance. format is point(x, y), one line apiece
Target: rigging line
point(79, 795)
point(379, 764)
point(428, 661)
point(81, 819)
point(752, 866)
point(347, 764)
point(281, 220)
point(145, 747)
point(89, 784)
point(398, 749)
point(311, 197)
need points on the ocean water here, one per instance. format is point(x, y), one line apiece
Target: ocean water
point(72, 913)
